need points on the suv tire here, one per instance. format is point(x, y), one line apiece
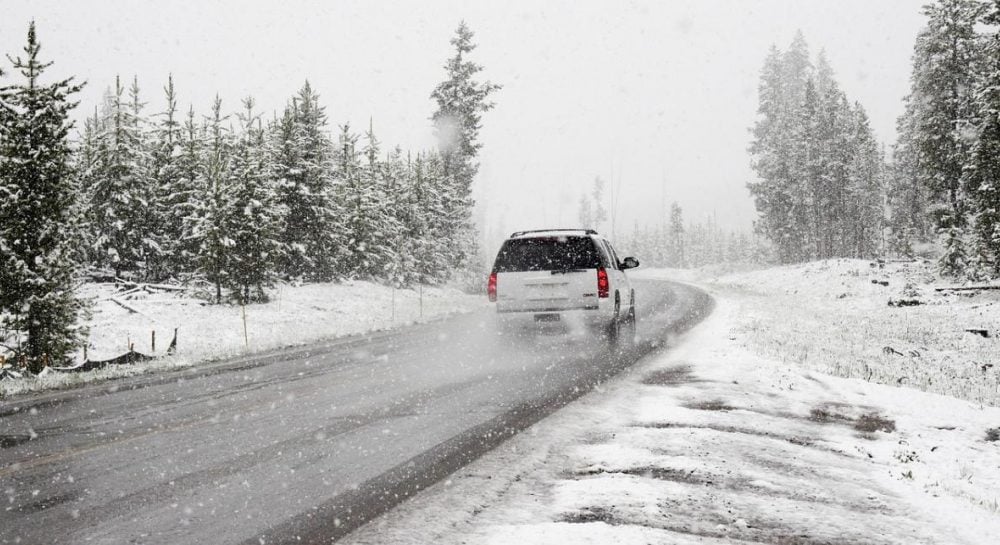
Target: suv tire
point(614, 328)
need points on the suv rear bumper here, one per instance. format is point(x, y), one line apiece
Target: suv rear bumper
point(501, 310)
point(594, 316)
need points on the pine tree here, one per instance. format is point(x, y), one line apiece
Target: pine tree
point(771, 151)
point(172, 191)
point(37, 222)
point(461, 101)
point(186, 195)
point(360, 203)
point(369, 228)
point(398, 187)
point(807, 168)
point(836, 196)
point(303, 162)
point(954, 260)
point(210, 222)
point(151, 265)
point(944, 60)
point(908, 197)
point(431, 252)
point(121, 189)
point(863, 216)
point(85, 165)
point(984, 174)
point(253, 217)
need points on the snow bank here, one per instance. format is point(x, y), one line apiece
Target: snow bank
point(295, 315)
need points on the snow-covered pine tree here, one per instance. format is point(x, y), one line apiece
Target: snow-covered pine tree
point(808, 171)
point(431, 248)
point(828, 179)
point(945, 58)
point(37, 221)
point(401, 271)
point(312, 246)
point(172, 191)
point(86, 154)
point(284, 157)
point(382, 226)
point(89, 180)
point(771, 153)
point(362, 205)
point(85, 164)
point(984, 175)
point(149, 215)
point(186, 195)
point(954, 260)
point(121, 189)
point(908, 198)
point(209, 228)
point(254, 216)
point(864, 215)
point(461, 101)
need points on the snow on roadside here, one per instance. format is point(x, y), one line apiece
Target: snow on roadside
point(834, 316)
point(295, 315)
point(712, 443)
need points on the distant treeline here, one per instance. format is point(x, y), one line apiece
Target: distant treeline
point(824, 188)
point(674, 243)
point(671, 242)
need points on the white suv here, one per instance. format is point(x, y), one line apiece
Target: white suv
point(564, 275)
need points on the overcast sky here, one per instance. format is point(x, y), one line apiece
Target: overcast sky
point(656, 95)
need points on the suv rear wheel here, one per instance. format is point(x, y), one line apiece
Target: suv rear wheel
point(621, 331)
point(614, 328)
point(627, 333)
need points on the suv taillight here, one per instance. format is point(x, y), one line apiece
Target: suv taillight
point(491, 287)
point(602, 283)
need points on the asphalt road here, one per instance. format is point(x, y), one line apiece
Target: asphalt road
point(299, 445)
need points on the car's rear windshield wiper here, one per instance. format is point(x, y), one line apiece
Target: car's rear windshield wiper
point(564, 271)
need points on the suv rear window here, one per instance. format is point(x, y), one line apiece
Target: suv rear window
point(547, 254)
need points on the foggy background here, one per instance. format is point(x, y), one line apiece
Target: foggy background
point(654, 97)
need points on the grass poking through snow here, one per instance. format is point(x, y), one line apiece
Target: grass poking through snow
point(838, 317)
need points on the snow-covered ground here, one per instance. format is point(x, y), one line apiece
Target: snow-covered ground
point(295, 315)
point(717, 441)
point(834, 316)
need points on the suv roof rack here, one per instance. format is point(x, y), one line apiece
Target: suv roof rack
point(519, 233)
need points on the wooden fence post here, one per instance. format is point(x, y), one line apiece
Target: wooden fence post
point(246, 338)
